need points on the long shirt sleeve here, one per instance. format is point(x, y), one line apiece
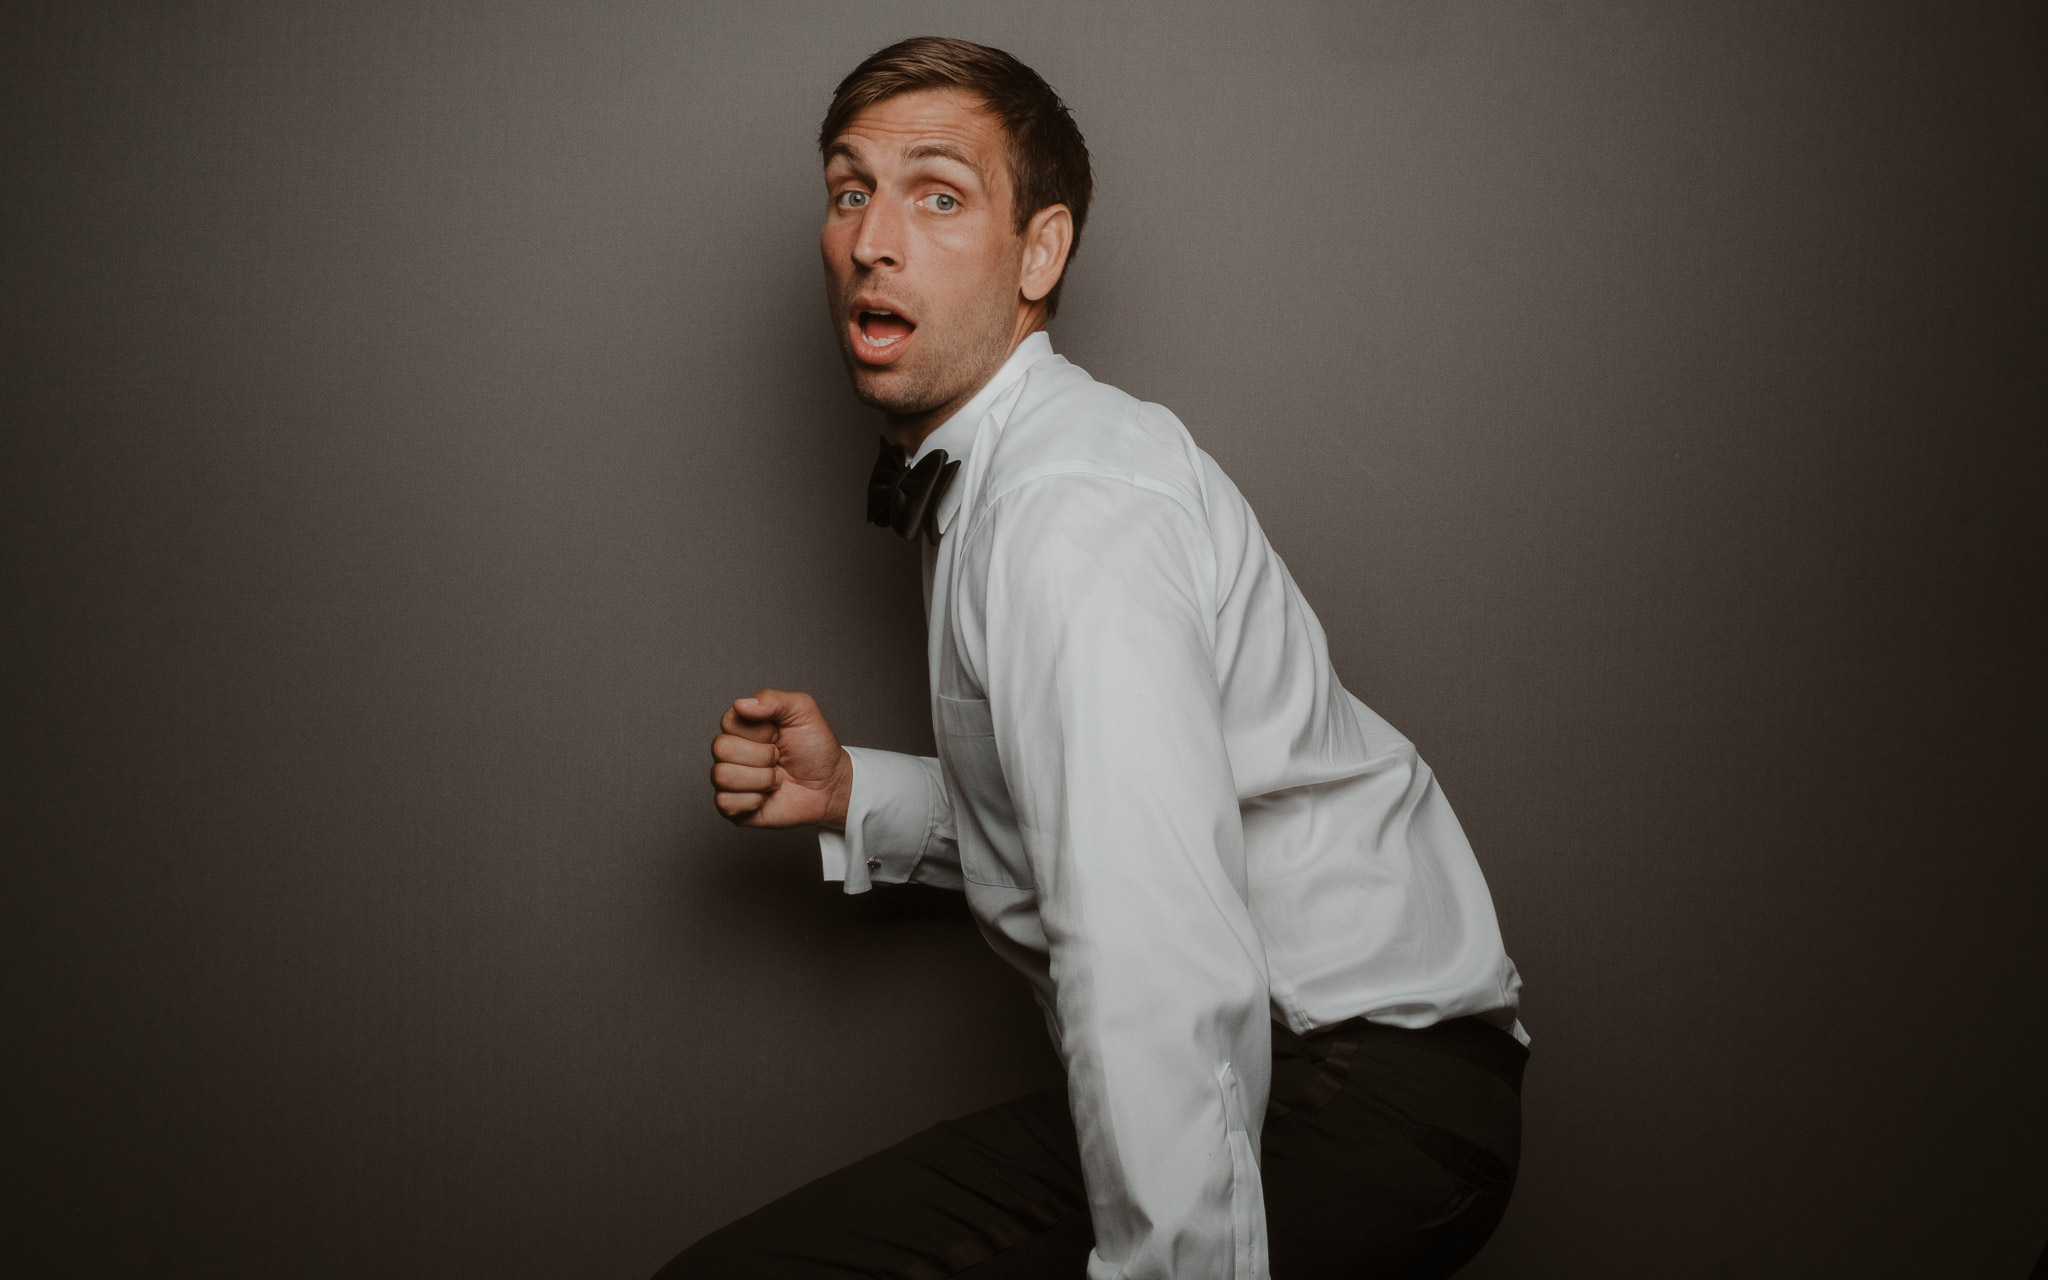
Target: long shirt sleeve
point(1091, 626)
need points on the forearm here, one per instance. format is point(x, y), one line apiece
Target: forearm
point(1163, 1009)
point(1169, 1074)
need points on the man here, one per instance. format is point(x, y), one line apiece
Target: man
point(1265, 952)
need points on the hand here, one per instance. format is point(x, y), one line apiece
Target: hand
point(776, 763)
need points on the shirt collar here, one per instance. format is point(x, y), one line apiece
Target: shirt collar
point(956, 435)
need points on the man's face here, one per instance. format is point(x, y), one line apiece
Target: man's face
point(922, 260)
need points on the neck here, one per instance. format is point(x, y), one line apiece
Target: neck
point(908, 430)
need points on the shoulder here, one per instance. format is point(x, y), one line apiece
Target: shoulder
point(1066, 427)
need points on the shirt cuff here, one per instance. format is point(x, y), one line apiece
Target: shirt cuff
point(832, 852)
point(889, 816)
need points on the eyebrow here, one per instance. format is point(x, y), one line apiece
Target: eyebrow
point(924, 151)
point(846, 150)
point(946, 151)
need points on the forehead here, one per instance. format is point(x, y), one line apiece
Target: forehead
point(952, 119)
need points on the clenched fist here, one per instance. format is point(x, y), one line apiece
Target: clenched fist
point(776, 763)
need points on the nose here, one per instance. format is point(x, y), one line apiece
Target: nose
point(880, 242)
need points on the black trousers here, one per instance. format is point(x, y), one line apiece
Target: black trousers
point(1386, 1153)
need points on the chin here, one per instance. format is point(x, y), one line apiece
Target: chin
point(892, 390)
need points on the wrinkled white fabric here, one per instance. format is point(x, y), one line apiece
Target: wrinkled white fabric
point(1164, 809)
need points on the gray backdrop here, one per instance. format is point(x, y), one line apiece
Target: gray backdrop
point(421, 421)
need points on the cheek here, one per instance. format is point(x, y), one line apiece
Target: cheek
point(974, 261)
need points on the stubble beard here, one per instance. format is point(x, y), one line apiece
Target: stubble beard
point(952, 361)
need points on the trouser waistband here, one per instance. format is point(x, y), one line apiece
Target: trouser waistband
point(1470, 1039)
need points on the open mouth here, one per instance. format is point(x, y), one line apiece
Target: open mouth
point(881, 330)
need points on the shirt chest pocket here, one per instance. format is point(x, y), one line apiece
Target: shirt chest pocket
point(985, 821)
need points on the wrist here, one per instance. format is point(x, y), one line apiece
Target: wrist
point(839, 797)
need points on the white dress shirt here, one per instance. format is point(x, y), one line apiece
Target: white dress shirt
point(1164, 809)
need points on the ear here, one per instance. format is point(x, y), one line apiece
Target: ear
point(1047, 239)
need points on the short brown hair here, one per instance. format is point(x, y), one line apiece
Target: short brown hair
point(1048, 158)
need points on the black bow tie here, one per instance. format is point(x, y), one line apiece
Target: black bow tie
point(906, 498)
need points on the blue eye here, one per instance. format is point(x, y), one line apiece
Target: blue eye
point(943, 203)
point(853, 199)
